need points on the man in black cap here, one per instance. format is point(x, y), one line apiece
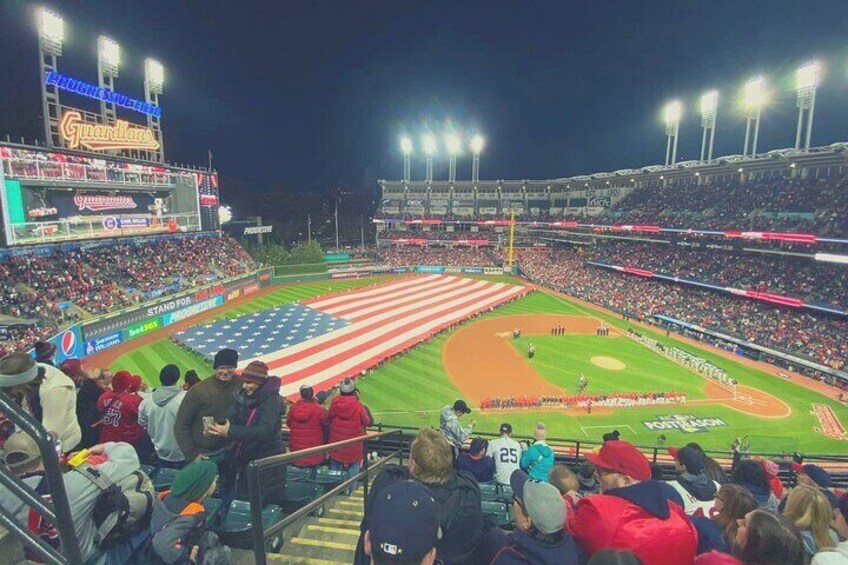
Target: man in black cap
point(694, 486)
point(477, 462)
point(506, 452)
point(403, 526)
point(205, 403)
point(449, 424)
point(44, 352)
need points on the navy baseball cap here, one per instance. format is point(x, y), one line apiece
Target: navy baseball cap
point(816, 473)
point(692, 460)
point(506, 428)
point(461, 406)
point(404, 523)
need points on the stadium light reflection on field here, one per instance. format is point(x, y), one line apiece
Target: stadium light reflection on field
point(672, 113)
point(806, 80)
point(753, 99)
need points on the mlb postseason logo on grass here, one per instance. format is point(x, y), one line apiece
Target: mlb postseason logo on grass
point(829, 425)
point(686, 423)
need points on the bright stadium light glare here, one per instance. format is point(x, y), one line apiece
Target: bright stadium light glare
point(405, 145)
point(453, 144)
point(429, 145)
point(51, 26)
point(225, 214)
point(709, 102)
point(754, 93)
point(807, 76)
point(477, 143)
point(109, 51)
point(673, 112)
point(155, 72)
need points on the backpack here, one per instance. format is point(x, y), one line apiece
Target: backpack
point(122, 509)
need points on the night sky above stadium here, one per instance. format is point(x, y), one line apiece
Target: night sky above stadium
point(314, 95)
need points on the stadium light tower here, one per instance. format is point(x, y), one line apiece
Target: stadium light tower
point(672, 113)
point(51, 36)
point(753, 98)
point(709, 106)
point(429, 151)
point(154, 79)
point(477, 143)
point(453, 146)
point(806, 78)
point(108, 62)
point(406, 149)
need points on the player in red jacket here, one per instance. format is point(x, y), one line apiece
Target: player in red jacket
point(306, 420)
point(348, 419)
point(633, 512)
point(120, 412)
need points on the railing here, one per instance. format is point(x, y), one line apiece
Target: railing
point(92, 227)
point(23, 168)
point(278, 464)
point(58, 512)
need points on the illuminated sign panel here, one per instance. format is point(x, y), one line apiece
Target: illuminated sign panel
point(89, 90)
point(99, 137)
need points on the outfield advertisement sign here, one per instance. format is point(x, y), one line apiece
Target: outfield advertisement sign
point(686, 423)
point(429, 269)
point(142, 328)
point(68, 344)
point(193, 310)
point(101, 343)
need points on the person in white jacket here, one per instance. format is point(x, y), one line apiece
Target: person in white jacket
point(157, 414)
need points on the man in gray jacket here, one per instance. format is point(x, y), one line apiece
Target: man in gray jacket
point(158, 413)
point(449, 424)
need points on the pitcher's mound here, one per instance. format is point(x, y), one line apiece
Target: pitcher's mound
point(608, 363)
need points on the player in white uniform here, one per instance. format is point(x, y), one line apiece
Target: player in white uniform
point(506, 452)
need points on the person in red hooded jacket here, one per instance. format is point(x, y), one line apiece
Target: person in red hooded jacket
point(306, 420)
point(633, 512)
point(120, 414)
point(348, 419)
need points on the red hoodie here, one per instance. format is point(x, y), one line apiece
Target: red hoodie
point(120, 410)
point(348, 419)
point(306, 419)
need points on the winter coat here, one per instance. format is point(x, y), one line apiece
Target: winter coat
point(174, 524)
point(710, 535)
point(763, 495)
point(449, 424)
point(59, 406)
point(256, 422)
point(698, 493)
point(835, 556)
point(306, 420)
point(537, 461)
point(348, 419)
point(120, 417)
point(209, 397)
point(639, 518)
point(515, 548)
point(88, 415)
point(460, 518)
point(158, 414)
point(483, 468)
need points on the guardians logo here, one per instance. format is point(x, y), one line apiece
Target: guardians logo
point(686, 423)
point(829, 425)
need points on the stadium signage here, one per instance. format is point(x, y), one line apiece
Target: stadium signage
point(686, 423)
point(101, 343)
point(78, 133)
point(142, 328)
point(256, 230)
point(193, 310)
point(169, 306)
point(64, 82)
point(100, 202)
point(829, 425)
point(110, 223)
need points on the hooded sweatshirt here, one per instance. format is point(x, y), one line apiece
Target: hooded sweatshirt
point(515, 548)
point(698, 493)
point(120, 411)
point(449, 424)
point(59, 406)
point(641, 518)
point(537, 461)
point(158, 414)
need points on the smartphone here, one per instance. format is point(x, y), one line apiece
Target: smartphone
point(207, 421)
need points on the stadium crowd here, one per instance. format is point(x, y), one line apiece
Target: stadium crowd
point(442, 256)
point(617, 400)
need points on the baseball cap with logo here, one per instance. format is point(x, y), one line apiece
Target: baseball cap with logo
point(21, 450)
point(404, 523)
point(542, 502)
point(622, 457)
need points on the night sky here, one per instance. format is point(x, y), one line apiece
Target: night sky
point(313, 95)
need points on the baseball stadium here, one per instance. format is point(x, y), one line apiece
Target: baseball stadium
point(700, 301)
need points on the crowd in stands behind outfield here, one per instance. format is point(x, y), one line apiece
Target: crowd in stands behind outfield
point(610, 400)
point(443, 256)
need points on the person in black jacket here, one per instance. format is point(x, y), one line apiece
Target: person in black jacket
point(254, 425)
point(88, 391)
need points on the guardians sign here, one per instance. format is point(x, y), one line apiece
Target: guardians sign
point(686, 423)
point(78, 133)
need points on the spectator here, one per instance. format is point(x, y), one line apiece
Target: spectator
point(44, 352)
point(403, 525)
point(694, 486)
point(763, 538)
point(179, 521)
point(190, 379)
point(632, 512)
point(449, 424)
point(814, 476)
point(254, 423)
point(810, 511)
point(477, 462)
point(306, 421)
point(539, 513)
point(349, 418)
point(538, 459)
point(158, 414)
point(88, 392)
point(206, 402)
point(614, 557)
point(711, 466)
point(566, 483)
point(505, 452)
point(586, 478)
point(456, 493)
point(45, 393)
point(772, 470)
point(717, 532)
point(120, 414)
point(750, 474)
point(839, 554)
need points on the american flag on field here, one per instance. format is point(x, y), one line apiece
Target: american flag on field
point(321, 341)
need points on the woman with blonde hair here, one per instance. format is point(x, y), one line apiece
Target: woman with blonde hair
point(811, 513)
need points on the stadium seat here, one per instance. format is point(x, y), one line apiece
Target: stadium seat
point(505, 493)
point(328, 478)
point(213, 511)
point(299, 494)
point(297, 474)
point(163, 479)
point(489, 491)
point(148, 470)
point(235, 529)
point(498, 511)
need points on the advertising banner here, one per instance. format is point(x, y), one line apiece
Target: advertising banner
point(429, 269)
point(84, 203)
point(68, 344)
point(99, 344)
point(193, 310)
point(142, 328)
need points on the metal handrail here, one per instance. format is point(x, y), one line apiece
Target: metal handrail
point(254, 485)
point(59, 512)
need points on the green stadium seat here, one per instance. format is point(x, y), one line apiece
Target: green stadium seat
point(213, 511)
point(148, 470)
point(489, 491)
point(297, 474)
point(235, 529)
point(326, 476)
point(299, 494)
point(505, 493)
point(499, 511)
point(164, 478)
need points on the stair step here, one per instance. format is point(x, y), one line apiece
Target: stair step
point(336, 522)
point(357, 513)
point(331, 530)
point(286, 559)
point(353, 503)
point(324, 544)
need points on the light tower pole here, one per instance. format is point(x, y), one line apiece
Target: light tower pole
point(406, 149)
point(429, 151)
point(673, 112)
point(807, 78)
point(477, 143)
point(753, 97)
point(452, 144)
point(51, 34)
point(709, 106)
point(154, 79)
